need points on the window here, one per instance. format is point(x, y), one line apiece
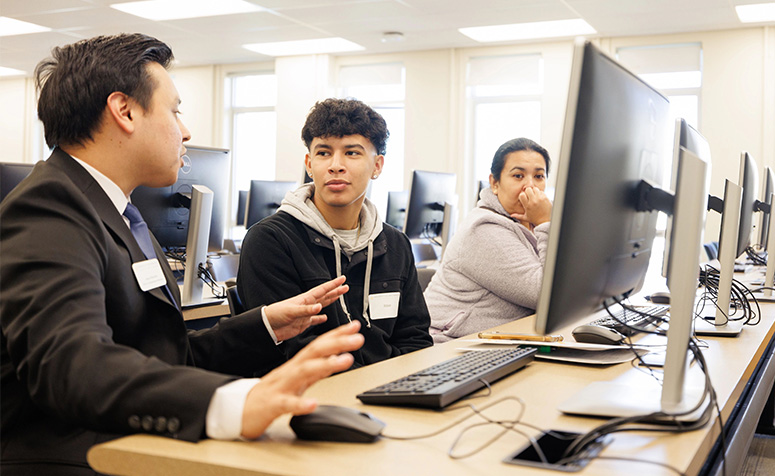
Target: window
point(251, 119)
point(503, 96)
point(381, 86)
point(675, 70)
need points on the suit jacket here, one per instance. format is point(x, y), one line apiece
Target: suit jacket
point(86, 355)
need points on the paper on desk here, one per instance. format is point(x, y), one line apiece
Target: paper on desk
point(574, 352)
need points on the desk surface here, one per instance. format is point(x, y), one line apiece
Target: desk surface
point(541, 385)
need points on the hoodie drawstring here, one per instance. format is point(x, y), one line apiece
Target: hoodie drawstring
point(338, 258)
point(367, 282)
point(366, 279)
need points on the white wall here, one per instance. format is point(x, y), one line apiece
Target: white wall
point(196, 87)
point(301, 81)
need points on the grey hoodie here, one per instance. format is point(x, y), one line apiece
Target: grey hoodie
point(491, 272)
point(298, 203)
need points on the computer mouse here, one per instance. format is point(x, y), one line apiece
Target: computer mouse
point(335, 423)
point(591, 334)
point(660, 297)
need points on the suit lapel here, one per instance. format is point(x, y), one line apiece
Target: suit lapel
point(114, 221)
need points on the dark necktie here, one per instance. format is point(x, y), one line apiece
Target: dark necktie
point(143, 237)
point(140, 230)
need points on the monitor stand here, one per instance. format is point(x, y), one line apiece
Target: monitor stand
point(196, 244)
point(766, 294)
point(719, 324)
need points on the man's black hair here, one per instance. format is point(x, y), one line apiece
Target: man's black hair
point(75, 82)
point(345, 117)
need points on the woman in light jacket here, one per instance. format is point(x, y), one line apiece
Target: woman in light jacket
point(491, 271)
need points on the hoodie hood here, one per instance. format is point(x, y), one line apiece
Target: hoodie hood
point(487, 199)
point(298, 203)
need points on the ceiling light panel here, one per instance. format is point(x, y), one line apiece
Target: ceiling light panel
point(529, 31)
point(160, 10)
point(757, 13)
point(304, 47)
point(10, 27)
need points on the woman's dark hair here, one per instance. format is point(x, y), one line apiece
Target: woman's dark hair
point(75, 82)
point(345, 117)
point(515, 145)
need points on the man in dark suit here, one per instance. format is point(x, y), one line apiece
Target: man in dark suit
point(87, 354)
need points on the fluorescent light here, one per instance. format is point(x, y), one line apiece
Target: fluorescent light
point(9, 27)
point(528, 31)
point(176, 9)
point(304, 47)
point(11, 72)
point(758, 13)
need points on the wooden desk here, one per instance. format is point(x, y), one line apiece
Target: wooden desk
point(215, 310)
point(541, 385)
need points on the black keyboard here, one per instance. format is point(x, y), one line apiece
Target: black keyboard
point(647, 316)
point(444, 383)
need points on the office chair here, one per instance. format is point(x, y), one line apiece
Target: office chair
point(235, 303)
point(424, 276)
point(711, 249)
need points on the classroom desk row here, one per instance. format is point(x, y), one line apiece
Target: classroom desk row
point(741, 372)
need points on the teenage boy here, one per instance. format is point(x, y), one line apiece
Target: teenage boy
point(93, 342)
point(328, 228)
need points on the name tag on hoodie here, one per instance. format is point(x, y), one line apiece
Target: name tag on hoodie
point(383, 305)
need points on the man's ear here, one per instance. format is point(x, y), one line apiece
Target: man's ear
point(120, 109)
point(379, 162)
point(308, 165)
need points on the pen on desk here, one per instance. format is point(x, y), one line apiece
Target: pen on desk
point(498, 335)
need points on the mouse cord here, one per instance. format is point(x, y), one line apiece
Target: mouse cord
point(508, 425)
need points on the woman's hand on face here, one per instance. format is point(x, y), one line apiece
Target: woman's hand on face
point(538, 207)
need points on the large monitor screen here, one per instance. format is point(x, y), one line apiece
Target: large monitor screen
point(617, 133)
point(764, 222)
point(427, 196)
point(264, 198)
point(166, 209)
point(749, 180)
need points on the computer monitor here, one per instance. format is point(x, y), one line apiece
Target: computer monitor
point(166, 209)
point(749, 180)
point(242, 200)
point(428, 194)
point(616, 138)
point(11, 174)
point(716, 322)
point(396, 209)
point(616, 133)
point(764, 221)
point(264, 198)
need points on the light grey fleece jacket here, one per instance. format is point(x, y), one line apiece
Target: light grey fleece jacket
point(491, 273)
point(299, 204)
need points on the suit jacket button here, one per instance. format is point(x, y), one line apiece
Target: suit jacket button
point(147, 423)
point(384, 285)
point(134, 422)
point(161, 424)
point(173, 425)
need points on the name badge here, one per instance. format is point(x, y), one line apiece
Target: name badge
point(149, 274)
point(384, 305)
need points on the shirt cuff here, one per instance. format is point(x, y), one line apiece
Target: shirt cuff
point(269, 327)
point(224, 414)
